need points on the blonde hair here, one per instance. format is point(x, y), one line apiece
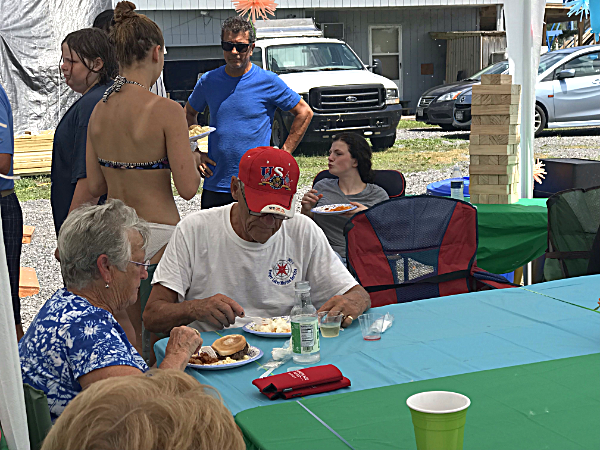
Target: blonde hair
point(160, 410)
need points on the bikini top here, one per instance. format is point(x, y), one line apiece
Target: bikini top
point(159, 164)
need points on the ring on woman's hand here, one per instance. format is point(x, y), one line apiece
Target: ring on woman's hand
point(349, 317)
point(197, 332)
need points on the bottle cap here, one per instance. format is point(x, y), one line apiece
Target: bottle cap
point(302, 286)
point(453, 185)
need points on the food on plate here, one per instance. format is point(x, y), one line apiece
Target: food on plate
point(233, 347)
point(203, 358)
point(277, 325)
point(227, 350)
point(195, 130)
point(337, 208)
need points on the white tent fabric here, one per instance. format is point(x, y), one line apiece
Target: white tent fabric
point(12, 402)
point(524, 22)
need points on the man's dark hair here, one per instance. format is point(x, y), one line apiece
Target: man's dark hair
point(237, 24)
point(104, 20)
point(360, 150)
point(92, 43)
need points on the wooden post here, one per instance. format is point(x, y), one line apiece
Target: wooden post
point(580, 31)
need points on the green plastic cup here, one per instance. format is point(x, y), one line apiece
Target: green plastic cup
point(439, 419)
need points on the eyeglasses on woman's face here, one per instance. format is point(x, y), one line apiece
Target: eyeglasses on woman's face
point(146, 264)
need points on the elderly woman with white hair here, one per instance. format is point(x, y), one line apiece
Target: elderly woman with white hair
point(75, 340)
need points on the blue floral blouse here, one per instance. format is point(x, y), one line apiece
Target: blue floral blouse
point(67, 339)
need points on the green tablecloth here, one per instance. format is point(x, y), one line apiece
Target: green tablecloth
point(511, 235)
point(547, 405)
point(3, 444)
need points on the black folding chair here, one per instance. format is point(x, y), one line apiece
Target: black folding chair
point(391, 181)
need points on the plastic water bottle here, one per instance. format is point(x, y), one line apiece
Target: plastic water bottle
point(305, 328)
point(457, 184)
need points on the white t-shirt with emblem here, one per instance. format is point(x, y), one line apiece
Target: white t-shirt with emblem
point(205, 256)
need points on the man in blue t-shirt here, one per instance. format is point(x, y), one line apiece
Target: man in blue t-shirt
point(242, 99)
point(12, 217)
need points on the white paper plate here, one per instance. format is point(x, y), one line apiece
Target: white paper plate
point(254, 353)
point(248, 329)
point(325, 208)
point(201, 135)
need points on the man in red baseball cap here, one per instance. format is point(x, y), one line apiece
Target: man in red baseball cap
point(244, 258)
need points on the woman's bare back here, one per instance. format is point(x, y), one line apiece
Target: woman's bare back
point(130, 128)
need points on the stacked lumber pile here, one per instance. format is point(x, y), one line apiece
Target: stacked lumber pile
point(494, 148)
point(33, 153)
point(28, 280)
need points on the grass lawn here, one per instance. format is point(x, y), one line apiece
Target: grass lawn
point(407, 155)
point(33, 188)
point(407, 124)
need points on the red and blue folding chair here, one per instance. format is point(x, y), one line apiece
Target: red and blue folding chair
point(412, 248)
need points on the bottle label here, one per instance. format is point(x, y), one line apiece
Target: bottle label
point(305, 337)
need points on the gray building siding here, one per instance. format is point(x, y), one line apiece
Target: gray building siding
point(417, 46)
point(191, 35)
point(287, 4)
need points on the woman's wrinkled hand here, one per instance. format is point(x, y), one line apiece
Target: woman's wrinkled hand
point(184, 341)
point(309, 200)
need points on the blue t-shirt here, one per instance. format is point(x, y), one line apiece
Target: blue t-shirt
point(242, 110)
point(69, 338)
point(7, 141)
point(68, 152)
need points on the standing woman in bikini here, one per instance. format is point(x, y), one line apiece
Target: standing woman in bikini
point(137, 139)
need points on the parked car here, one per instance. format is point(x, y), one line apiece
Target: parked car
point(567, 93)
point(436, 105)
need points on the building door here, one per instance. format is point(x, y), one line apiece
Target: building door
point(385, 44)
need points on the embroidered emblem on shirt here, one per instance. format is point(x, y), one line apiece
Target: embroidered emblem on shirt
point(283, 272)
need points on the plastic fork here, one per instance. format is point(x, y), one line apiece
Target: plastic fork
point(260, 320)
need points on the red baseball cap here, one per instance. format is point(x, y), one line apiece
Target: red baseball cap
point(270, 178)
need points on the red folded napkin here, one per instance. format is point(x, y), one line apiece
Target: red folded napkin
point(299, 383)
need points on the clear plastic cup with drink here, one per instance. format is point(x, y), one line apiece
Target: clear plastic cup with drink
point(370, 325)
point(329, 324)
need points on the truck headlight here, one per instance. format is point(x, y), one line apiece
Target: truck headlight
point(449, 96)
point(391, 97)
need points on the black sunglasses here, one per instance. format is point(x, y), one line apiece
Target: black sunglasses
point(239, 46)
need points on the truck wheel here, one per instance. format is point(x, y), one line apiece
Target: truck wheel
point(278, 132)
point(206, 117)
point(540, 120)
point(381, 143)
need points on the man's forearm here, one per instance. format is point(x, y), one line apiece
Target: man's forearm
point(191, 115)
point(162, 316)
point(297, 130)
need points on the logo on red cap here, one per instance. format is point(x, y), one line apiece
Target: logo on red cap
point(273, 176)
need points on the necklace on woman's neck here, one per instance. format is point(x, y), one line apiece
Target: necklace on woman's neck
point(117, 85)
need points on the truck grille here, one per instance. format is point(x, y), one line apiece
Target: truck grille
point(338, 99)
point(425, 101)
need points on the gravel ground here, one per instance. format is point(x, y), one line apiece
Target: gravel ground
point(575, 143)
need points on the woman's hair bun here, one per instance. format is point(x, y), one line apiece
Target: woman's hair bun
point(124, 10)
